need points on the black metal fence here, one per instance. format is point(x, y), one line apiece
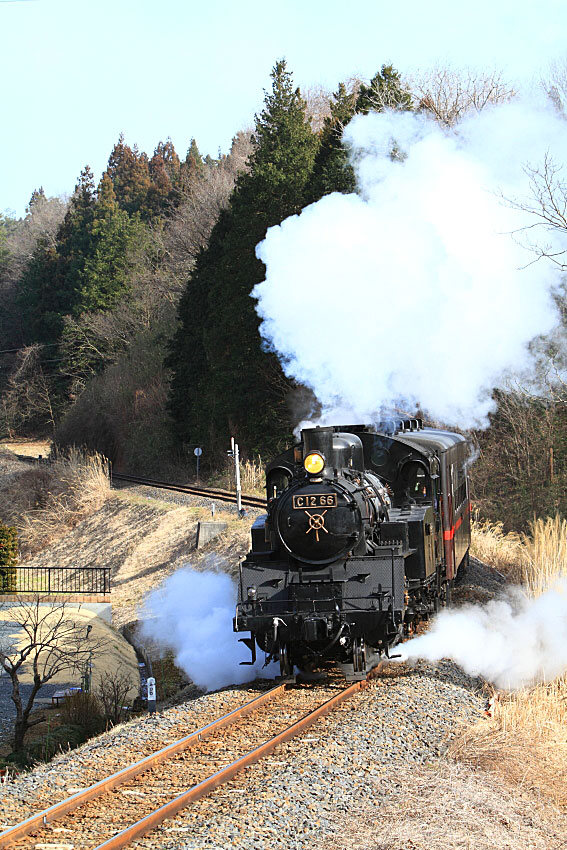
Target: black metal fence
point(50, 580)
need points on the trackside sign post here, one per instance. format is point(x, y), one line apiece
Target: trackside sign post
point(198, 452)
point(152, 695)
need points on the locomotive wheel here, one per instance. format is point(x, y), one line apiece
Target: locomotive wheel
point(359, 655)
point(285, 662)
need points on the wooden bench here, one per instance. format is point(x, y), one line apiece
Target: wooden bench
point(61, 696)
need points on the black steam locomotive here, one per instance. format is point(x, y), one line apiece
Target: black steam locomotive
point(364, 534)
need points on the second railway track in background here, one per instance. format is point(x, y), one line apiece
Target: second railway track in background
point(204, 492)
point(131, 803)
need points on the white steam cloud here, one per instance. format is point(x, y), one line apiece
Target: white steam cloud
point(417, 289)
point(512, 642)
point(191, 613)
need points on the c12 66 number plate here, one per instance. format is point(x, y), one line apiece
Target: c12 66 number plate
point(315, 500)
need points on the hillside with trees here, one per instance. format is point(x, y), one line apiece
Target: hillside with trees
point(128, 325)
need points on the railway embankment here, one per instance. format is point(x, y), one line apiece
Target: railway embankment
point(380, 773)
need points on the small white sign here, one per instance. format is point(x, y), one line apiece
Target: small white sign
point(198, 452)
point(151, 689)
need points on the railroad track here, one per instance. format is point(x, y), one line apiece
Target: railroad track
point(131, 803)
point(204, 492)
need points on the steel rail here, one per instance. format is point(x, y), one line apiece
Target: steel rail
point(222, 495)
point(99, 788)
point(148, 823)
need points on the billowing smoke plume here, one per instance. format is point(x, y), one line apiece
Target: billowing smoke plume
point(513, 642)
point(420, 288)
point(191, 614)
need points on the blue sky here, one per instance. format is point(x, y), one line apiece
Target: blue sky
point(78, 72)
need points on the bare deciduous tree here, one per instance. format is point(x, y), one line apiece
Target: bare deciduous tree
point(47, 642)
point(547, 205)
point(112, 692)
point(318, 100)
point(41, 223)
point(189, 228)
point(28, 394)
point(555, 84)
point(449, 94)
point(518, 474)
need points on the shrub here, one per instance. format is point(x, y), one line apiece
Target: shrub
point(8, 558)
point(55, 740)
point(83, 711)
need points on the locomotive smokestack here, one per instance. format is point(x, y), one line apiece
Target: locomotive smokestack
point(318, 440)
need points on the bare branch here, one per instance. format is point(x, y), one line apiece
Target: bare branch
point(449, 94)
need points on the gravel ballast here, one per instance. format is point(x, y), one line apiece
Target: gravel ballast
point(295, 797)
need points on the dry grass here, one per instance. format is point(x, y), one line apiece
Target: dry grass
point(545, 554)
point(45, 502)
point(444, 806)
point(536, 560)
point(252, 478)
point(524, 742)
point(492, 546)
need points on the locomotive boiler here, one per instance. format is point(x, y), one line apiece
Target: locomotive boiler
point(364, 533)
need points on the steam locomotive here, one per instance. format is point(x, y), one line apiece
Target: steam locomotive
point(364, 533)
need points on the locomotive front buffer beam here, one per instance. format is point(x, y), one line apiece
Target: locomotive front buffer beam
point(351, 614)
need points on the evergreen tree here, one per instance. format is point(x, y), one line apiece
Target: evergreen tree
point(130, 175)
point(193, 166)
point(224, 382)
point(114, 235)
point(37, 198)
point(168, 156)
point(385, 91)
point(51, 284)
point(165, 171)
point(8, 558)
point(88, 268)
point(332, 171)
point(37, 295)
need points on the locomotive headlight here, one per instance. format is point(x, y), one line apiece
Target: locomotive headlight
point(314, 463)
point(252, 593)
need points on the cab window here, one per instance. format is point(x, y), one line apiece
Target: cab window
point(414, 481)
